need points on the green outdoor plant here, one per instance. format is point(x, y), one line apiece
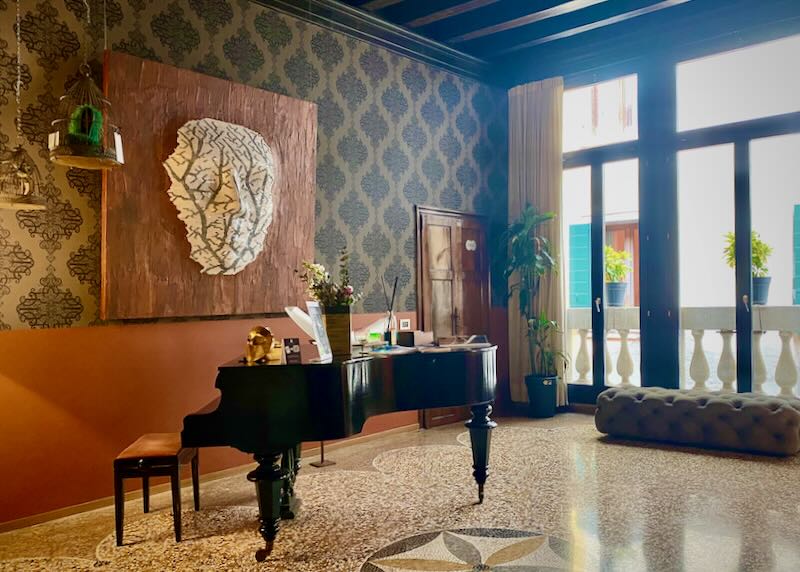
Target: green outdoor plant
point(618, 264)
point(528, 256)
point(760, 250)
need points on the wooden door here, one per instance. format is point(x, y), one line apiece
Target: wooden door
point(453, 296)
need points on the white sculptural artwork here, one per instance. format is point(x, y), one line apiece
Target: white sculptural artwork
point(222, 179)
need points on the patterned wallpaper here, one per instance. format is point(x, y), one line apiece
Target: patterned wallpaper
point(392, 133)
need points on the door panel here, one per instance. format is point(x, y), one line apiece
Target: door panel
point(442, 311)
point(473, 316)
point(440, 296)
point(453, 296)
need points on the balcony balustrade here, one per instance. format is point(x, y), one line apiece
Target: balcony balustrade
point(697, 323)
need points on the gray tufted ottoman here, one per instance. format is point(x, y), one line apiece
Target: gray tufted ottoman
point(740, 421)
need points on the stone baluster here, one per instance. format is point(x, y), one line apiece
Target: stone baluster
point(583, 364)
point(786, 370)
point(682, 360)
point(698, 369)
point(625, 360)
point(759, 365)
point(609, 362)
point(726, 370)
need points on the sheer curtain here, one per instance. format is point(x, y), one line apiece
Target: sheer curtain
point(535, 169)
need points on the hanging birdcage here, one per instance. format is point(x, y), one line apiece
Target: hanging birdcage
point(84, 136)
point(19, 181)
point(20, 184)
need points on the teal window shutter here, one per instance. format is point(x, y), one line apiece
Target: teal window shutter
point(796, 238)
point(580, 265)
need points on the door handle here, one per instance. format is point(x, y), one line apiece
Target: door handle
point(746, 302)
point(597, 304)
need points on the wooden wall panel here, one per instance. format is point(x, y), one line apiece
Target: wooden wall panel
point(146, 268)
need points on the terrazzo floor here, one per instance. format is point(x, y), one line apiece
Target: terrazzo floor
point(559, 497)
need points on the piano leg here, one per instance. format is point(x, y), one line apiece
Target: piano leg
point(290, 465)
point(268, 478)
point(480, 434)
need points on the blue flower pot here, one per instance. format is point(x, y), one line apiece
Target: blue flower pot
point(761, 290)
point(615, 293)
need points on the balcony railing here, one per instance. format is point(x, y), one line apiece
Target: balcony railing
point(695, 323)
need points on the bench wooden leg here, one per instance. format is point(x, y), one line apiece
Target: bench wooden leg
point(119, 506)
point(146, 493)
point(196, 480)
point(175, 479)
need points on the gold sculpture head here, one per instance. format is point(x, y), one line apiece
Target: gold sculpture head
point(259, 344)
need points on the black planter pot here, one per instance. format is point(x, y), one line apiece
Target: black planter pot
point(761, 290)
point(615, 293)
point(541, 395)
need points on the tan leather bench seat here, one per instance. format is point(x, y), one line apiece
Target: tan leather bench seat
point(153, 445)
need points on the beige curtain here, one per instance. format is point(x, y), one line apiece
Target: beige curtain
point(535, 169)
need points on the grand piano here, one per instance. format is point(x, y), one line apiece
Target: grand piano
point(269, 410)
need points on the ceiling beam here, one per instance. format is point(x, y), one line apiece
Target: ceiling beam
point(373, 5)
point(449, 12)
point(497, 13)
point(693, 30)
point(616, 19)
point(558, 10)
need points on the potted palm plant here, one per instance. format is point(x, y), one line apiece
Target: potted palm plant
point(543, 381)
point(618, 266)
point(761, 252)
point(528, 257)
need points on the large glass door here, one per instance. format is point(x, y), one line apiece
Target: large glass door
point(600, 220)
point(737, 191)
point(681, 202)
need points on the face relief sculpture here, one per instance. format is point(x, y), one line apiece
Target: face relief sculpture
point(222, 178)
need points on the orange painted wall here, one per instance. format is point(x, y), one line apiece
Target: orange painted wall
point(71, 399)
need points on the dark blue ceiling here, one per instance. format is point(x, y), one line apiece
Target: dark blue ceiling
point(493, 29)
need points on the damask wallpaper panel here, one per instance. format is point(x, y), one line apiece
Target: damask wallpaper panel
point(393, 133)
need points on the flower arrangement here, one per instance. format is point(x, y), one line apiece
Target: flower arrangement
point(322, 287)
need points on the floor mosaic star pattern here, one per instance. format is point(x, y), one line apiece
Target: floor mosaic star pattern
point(471, 550)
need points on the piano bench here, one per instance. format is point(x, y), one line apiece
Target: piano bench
point(154, 455)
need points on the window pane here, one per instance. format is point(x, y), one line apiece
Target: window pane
point(576, 221)
point(757, 81)
point(707, 282)
point(621, 254)
point(600, 114)
point(775, 207)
